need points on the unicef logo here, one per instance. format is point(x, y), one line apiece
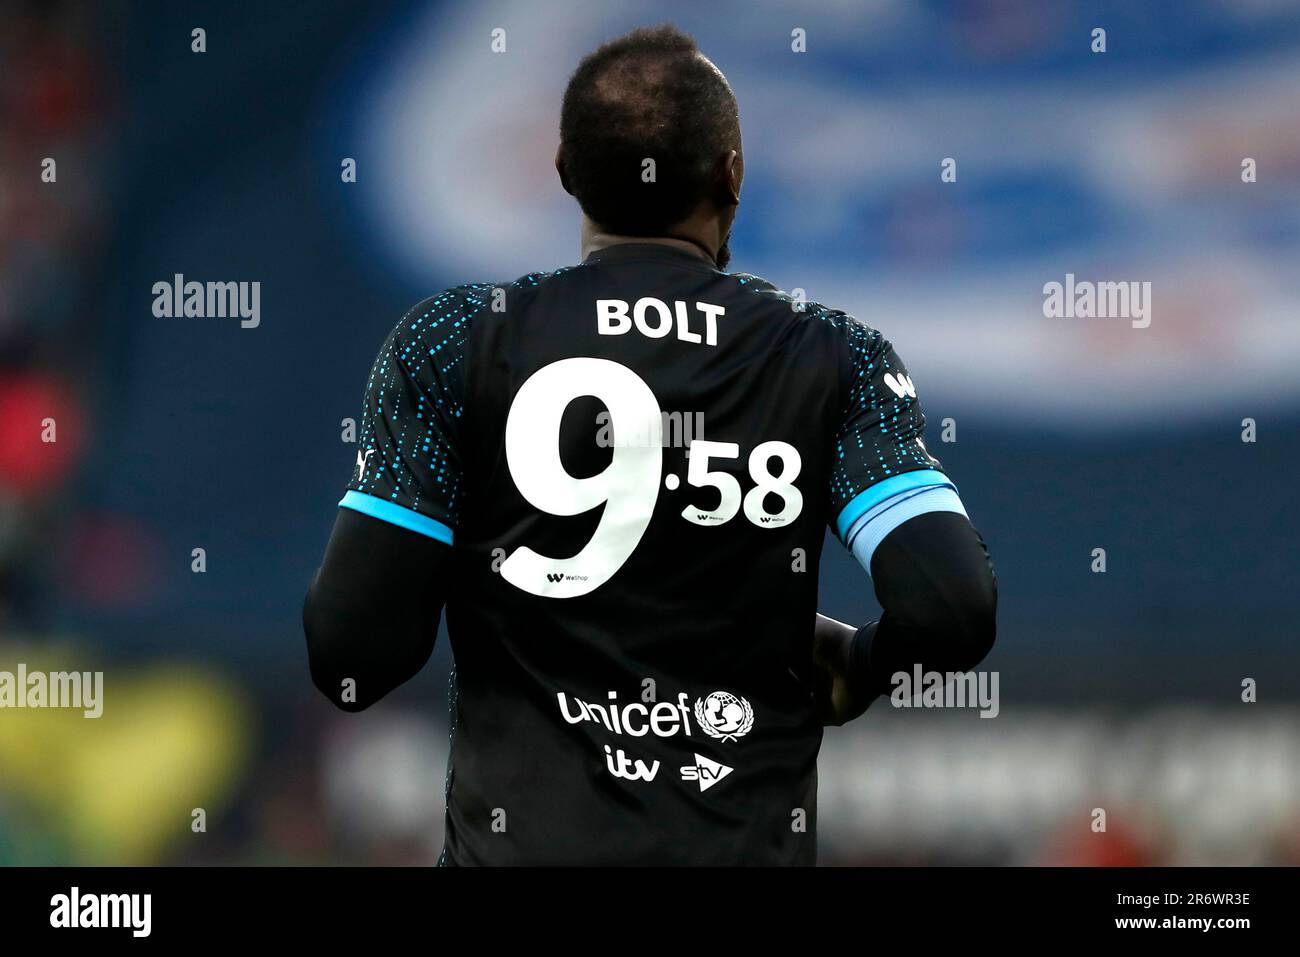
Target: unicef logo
point(724, 715)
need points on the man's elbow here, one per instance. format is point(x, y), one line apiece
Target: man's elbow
point(359, 650)
point(972, 623)
point(343, 691)
point(331, 658)
point(953, 622)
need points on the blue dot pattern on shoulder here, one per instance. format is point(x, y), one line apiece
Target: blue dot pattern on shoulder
point(882, 426)
point(407, 453)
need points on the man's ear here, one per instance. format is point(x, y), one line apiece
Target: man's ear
point(559, 168)
point(731, 171)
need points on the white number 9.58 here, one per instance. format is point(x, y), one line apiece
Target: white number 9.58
point(628, 487)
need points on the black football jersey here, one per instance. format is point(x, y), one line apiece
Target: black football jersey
point(634, 461)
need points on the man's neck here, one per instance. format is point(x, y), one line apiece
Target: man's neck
point(593, 239)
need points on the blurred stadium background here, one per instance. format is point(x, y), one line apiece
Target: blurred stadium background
point(1118, 690)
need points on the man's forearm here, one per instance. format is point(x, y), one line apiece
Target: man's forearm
point(938, 592)
point(371, 613)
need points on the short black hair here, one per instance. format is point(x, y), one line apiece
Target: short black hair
point(648, 94)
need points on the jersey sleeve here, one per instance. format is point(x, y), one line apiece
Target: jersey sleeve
point(408, 468)
point(882, 473)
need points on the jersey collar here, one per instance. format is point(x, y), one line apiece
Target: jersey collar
point(618, 252)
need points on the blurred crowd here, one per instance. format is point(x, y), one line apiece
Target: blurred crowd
point(54, 100)
point(186, 769)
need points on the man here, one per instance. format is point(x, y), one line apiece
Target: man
point(640, 673)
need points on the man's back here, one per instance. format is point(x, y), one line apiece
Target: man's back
point(639, 457)
point(617, 478)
